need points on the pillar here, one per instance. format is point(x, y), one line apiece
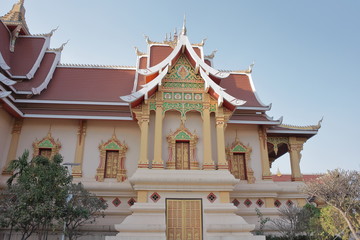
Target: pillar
point(158, 162)
point(15, 135)
point(208, 162)
point(79, 151)
point(295, 148)
point(220, 136)
point(143, 122)
point(265, 164)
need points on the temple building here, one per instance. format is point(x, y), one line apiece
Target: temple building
point(177, 148)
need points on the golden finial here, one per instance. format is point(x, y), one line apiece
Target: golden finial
point(278, 173)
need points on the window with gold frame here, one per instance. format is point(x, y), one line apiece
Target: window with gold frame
point(46, 147)
point(238, 157)
point(112, 160)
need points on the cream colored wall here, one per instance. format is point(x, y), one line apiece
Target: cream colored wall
point(64, 130)
point(6, 122)
point(151, 136)
point(98, 131)
point(248, 135)
point(193, 122)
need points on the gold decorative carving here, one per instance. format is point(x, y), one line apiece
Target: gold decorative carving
point(275, 141)
point(182, 134)
point(234, 153)
point(115, 150)
point(46, 146)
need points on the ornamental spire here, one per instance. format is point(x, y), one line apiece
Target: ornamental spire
point(16, 16)
point(183, 30)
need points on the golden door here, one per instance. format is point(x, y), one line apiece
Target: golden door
point(111, 164)
point(238, 166)
point(182, 155)
point(183, 219)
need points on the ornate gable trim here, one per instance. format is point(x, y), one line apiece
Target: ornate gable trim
point(47, 142)
point(182, 134)
point(238, 147)
point(113, 144)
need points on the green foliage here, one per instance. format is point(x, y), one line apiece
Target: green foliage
point(262, 221)
point(37, 201)
point(333, 223)
point(81, 209)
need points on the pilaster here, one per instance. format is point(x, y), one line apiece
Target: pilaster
point(295, 148)
point(79, 151)
point(15, 135)
point(220, 128)
point(208, 162)
point(158, 162)
point(265, 164)
point(143, 121)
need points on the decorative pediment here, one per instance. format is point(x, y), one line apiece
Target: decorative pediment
point(182, 134)
point(117, 164)
point(47, 143)
point(233, 157)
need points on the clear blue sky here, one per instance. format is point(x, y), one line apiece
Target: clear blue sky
point(307, 54)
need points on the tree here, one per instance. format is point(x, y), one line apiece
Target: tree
point(291, 222)
point(332, 223)
point(339, 189)
point(83, 208)
point(36, 198)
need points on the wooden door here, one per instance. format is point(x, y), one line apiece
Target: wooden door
point(182, 155)
point(239, 166)
point(183, 219)
point(111, 164)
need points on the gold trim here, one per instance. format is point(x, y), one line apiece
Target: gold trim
point(247, 151)
point(171, 138)
point(112, 144)
point(47, 142)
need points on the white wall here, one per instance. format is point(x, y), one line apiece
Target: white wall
point(6, 123)
point(248, 135)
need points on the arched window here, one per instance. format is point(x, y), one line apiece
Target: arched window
point(238, 157)
point(46, 147)
point(112, 160)
point(182, 149)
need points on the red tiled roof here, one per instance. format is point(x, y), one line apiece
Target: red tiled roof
point(88, 84)
point(252, 117)
point(5, 43)
point(287, 177)
point(158, 54)
point(40, 74)
point(238, 86)
point(27, 51)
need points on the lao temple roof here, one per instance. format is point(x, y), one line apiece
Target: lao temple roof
point(34, 84)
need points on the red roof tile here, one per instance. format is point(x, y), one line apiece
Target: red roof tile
point(238, 86)
point(27, 51)
point(40, 74)
point(88, 84)
point(5, 43)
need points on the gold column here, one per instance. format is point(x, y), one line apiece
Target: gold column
point(220, 131)
point(142, 196)
point(208, 162)
point(79, 151)
point(15, 135)
point(295, 147)
point(224, 197)
point(158, 162)
point(265, 164)
point(143, 122)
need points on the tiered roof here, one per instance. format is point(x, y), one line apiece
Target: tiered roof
point(35, 85)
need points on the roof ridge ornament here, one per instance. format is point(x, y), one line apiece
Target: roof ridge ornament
point(14, 36)
point(212, 55)
point(59, 49)
point(138, 52)
point(16, 16)
point(184, 30)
